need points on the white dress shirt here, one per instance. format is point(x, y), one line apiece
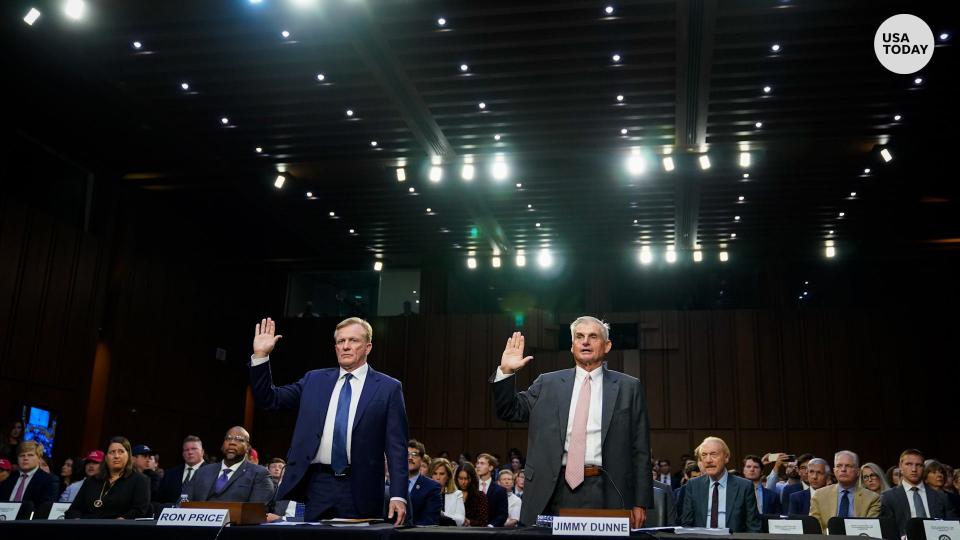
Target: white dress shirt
point(513, 506)
point(907, 486)
point(721, 502)
point(594, 455)
point(24, 481)
point(186, 470)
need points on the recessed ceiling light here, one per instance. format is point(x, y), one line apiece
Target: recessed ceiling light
point(495, 262)
point(740, 198)
point(538, 224)
point(137, 45)
point(704, 162)
point(464, 68)
point(775, 47)
point(608, 10)
point(623, 131)
point(441, 22)
point(349, 112)
point(472, 263)
point(373, 143)
point(258, 149)
point(736, 218)
point(615, 58)
point(671, 255)
point(545, 258)
point(378, 266)
point(724, 256)
point(886, 155)
point(897, 117)
point(429, 210)
point(842, 214)
point(744, 159)
point(758, 125)
point(944, 36)
point(668, 163)
point(436, 174)
point(353, 231)
point(31, 16)
point(636, 165)
point(482, 105)
point(75, 9)
point(918, 81)
point(767, 89)
point(619, 97)
point(401, 175)
point(496, 137)
point(697, 256)
point(278, 182)
point(530, 207)
point(746, 175)
point(309, 194)
point(519, 185)
point(636, 221)
point(285, 34)
point(646, 255)
point(321, 77)
point(830, 232)
point(866, 171)
point(224, 120)
point(500, 171)
point(853, 193)
point(468, 171)
point(411, 190)
point(185, 86)
point(333, 214)
point(733, 235)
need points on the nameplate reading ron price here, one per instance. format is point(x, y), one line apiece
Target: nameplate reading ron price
point(193, 517)
point(591, 526)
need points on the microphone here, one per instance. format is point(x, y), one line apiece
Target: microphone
point(614, 484)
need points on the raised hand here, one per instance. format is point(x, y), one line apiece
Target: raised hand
point(265, 338)
point(513, 358)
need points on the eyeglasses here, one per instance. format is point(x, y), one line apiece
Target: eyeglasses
point(866, 477)
point(238, 438)
point(413, 454)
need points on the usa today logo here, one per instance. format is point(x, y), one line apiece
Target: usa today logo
point(903, 44)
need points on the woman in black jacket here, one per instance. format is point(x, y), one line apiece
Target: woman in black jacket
point(117, 491)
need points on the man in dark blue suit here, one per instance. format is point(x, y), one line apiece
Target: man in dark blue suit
point(426, 499)
point(171, 487)
point(498, 505)
point(796, 479)
point(234, 479)
point(335, 408)
point(768, 502)
point(30, 483)
point(818, 470)
point(718, 499)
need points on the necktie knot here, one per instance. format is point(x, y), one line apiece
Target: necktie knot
point(347, 377)
point(914, 489)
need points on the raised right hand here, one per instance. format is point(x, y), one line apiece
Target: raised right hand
point(513, 359)
point(264, 338)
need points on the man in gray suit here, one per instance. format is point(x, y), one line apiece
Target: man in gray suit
point(588, 441)
point(234, 479)
point(913, 498)
point(718, 499)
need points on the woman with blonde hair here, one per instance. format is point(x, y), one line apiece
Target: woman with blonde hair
point(441, 470)
point(873, 478)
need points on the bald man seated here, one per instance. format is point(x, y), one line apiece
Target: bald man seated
point(234, 479)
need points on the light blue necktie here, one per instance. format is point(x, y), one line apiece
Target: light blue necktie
point(339, 461)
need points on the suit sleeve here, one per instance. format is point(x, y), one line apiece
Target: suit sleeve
point(687, 512)
point(262, 487)
point(815, 511)
point(754, 524)
point(81, 502)
point(513, 406)
point(671, 510)
point(396, 442)
point(51, 491)
point(873, 510)
point(270, 397)
point(643, 495)
point(433, 504)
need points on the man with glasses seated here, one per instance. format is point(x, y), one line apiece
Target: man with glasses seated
point(845, 498)
point(234, 479)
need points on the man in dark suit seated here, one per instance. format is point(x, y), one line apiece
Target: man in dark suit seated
point(234, 479)
point(425, 498)
point(497, 504)
point(768, 502)
point(796, 479)
point(717, 499)
point(173, 481)
point(818, 471)
point(913, 498)
point(30, 483)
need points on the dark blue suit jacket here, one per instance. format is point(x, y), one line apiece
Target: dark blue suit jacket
point(379, 427)
point(788, 490)
point(172, 484)
point(251, 483)
point(799, 503)
point(426, 500)
point(497, 504)
point(771, 502)
point(41, 489)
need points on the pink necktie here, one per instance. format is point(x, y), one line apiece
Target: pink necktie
point(577, 451)
point(23, 483)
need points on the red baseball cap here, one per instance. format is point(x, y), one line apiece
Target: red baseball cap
point(5, 465)
point(254, 456)
point(95, 456)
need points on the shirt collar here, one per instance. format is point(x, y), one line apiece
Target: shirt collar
point(30, 473)
point(233, 468)
point(723, 480)
point(595, 376)
point(907, 486)
point(359, 374)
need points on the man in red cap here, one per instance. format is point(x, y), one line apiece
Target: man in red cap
point(91, 465)
point(5, 469)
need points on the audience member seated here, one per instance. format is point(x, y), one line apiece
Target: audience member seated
point(91, 466)
point(796, 479)
point(234, 479)
point(519, 482)
point(30, 483)
point(497, 505)
point(893, 476)
point(71, 472)
point(253, 456)
point(691, 470)
point(424, 496)
point(719, 499)
point(425, 465)
point(5, 469)
point(12, 437)
point(171, 487)
point(818, 471)
point(474, 500)
point(117, 491)
point(913, 497)
point(454, 512)
point(872, 478)
point(505, 479)
point(934, 475)
point(844, 499)
point(142, 463)
point(768, 501)
point(275, 468)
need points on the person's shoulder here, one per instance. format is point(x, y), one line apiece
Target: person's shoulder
point(740, 481)
point(138, 477)
point(429, 482)
point(869, 495)
point(250, 466)
point(381, 377)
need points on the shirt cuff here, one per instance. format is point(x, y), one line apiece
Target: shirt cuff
point(501, 375)
point(401, 499)
point(254, 362)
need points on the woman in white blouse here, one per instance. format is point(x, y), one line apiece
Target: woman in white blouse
point(441, 471)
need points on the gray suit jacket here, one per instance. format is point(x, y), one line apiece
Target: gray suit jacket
point(742, 513)
point(624, 435)
point(893, 503)
point(663, 513)
point(251, 483)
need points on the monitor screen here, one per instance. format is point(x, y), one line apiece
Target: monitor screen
point(40, 426)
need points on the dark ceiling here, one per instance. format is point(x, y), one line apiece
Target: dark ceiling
point(691, 75)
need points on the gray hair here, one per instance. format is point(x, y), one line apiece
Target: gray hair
point(877, 471)
point(820, 461)
point(604, 327)
point(856, 458)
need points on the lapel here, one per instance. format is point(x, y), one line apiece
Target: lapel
point(566, 380)
point(611, 388)
point(233, 478)
point(900, 500)
point(325, 384)
point(833, 499)
point(370, 387)
point(732, 493)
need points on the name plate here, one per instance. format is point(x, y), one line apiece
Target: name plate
point(591, 526)
point(9, 511)
point(942, 530)
point(863, 527)
point(785, 526)
point(58, 510)
point(193, 517)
